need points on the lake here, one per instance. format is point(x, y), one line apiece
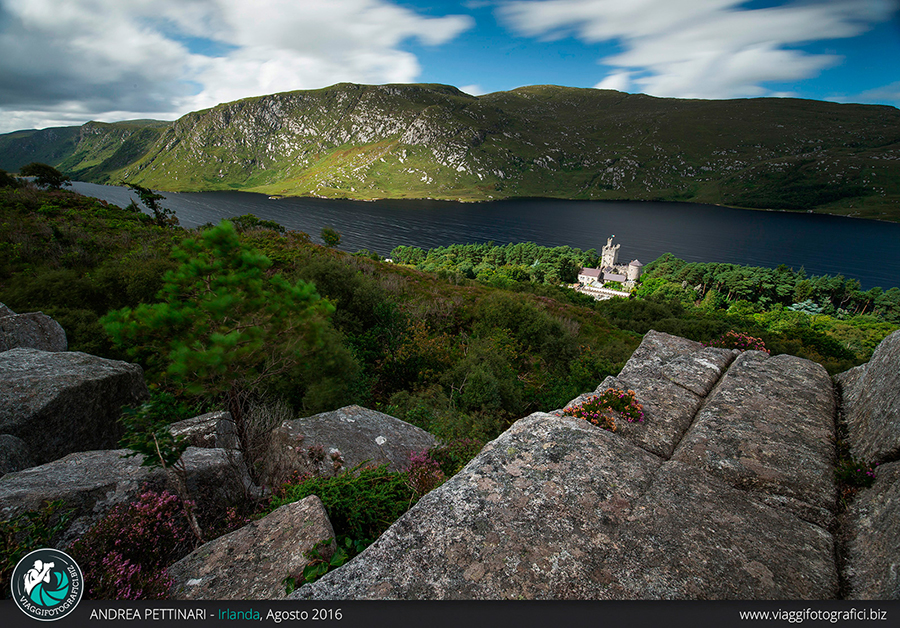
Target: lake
point(866, 250)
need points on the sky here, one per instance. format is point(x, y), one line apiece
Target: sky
point(65, 62)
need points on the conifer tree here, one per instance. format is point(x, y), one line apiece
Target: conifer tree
point(224, 325)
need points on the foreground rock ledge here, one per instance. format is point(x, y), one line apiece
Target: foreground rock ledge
point(558, 509)
point(769, 429)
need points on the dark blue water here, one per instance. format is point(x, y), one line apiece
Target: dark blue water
point(865, 250)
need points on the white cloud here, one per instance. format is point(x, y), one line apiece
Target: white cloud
point(65, 61)
point(700, 48)
point(619, 81)
point(889, 93)
point(472, 90)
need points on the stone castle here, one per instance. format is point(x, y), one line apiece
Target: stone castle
point(610, 269)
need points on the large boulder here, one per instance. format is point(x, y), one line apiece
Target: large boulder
point(871, 404)
point(91, 483)
point(14, 454)
point(556, 508)
point(34, 330)
point(362, 435)
point(872, 568)
point(210, 430)
point(59, 403)
point(725, 491)
point(251, 563)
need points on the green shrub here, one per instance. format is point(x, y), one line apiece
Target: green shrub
point(361, 504)
point(455, 454)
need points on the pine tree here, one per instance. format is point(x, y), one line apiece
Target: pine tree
point(224, 325)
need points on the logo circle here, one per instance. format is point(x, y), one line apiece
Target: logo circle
point(47, 584)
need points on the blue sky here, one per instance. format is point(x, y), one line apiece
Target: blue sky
point(64, 62)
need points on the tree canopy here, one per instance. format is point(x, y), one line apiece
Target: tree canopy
point(331, 237)
point(7, 181)
point(45, 175)
point(224, 324)
point(162, 216)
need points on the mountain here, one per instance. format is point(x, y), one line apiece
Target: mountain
point(434, 141)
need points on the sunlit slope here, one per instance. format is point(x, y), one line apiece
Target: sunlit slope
point(418, 141)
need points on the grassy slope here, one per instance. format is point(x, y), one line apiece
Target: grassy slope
point(432, 141)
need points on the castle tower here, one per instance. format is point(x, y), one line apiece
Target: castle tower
point(634, 270)
point(610, 254)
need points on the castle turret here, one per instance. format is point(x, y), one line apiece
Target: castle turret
point(634, 270)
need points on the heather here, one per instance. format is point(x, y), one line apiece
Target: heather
point(124, 556)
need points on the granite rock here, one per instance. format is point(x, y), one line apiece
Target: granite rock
point(14, 454)
point(769, 428)
point(671, 376)
point(362, 435)
point(211, 430)
point(873, 550)
point(531, 517)
point(871, 397)
point(60, 403)
point(91, 483)
point(34, 330)
point(692, 536)
point(556, 508)
point(251, 562)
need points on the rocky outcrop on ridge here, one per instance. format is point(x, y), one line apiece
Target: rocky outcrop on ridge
point(64, 402)
point(871, 396)
point(91, 483)
point(250, 563)
point(34, 330)
point(362, 435)
point(725, 491)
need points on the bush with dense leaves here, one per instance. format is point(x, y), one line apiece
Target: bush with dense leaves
point(361, 503)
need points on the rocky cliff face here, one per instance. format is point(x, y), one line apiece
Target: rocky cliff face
point(726, 491)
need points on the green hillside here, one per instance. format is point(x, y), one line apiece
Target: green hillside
point(433, 141)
